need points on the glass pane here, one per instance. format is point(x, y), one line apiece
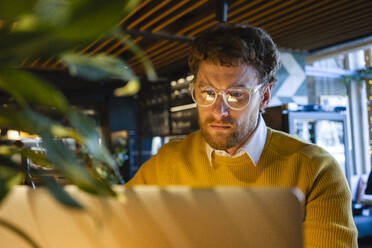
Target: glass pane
point(328, 134)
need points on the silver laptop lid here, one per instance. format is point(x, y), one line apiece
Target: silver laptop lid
point(159, 217)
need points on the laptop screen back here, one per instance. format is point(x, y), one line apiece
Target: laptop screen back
point(158, 217)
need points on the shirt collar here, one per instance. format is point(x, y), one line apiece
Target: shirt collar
point(253, 147)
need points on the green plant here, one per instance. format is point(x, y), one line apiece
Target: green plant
point(45, 28)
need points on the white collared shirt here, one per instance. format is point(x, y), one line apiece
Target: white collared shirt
point(253, 147)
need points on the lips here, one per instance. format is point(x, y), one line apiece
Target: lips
point(220, 127)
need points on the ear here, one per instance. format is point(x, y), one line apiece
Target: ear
point(265, 98)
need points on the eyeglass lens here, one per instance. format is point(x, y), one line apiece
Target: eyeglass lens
point(235, 97)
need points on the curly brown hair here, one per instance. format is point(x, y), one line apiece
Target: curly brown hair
point(232, 44)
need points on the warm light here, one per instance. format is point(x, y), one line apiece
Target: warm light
point(24, 135)
point(13, 134)
point(181, 80)
point(190, 77)
point(3, 24)
point(173, 83)
point(183, 107)
point(89, 111)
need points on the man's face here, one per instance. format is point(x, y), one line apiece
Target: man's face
point(222, 127)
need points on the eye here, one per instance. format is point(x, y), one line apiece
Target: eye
point(236, 93)
point(208, 91)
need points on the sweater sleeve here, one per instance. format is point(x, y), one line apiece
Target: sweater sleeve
point(328, 217)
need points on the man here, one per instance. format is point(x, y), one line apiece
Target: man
point(234, 67)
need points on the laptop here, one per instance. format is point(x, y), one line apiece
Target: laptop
point(153, 217)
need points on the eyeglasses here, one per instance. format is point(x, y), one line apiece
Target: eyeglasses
point(234, 98)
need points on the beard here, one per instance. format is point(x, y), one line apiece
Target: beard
point(221, 140)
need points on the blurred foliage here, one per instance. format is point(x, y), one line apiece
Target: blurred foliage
point(54, 28)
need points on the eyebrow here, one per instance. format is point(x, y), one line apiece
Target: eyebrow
point(239, 85)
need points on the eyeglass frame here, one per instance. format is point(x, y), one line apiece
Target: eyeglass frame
point(223, 93)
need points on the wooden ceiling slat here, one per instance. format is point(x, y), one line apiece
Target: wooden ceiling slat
point(45, 64)
point(158, 51)
point(181, 55)
point(131, 13)
point(186, 11)
point(118, 43)
point(293, 24)
point(181, 32)
point(173, 51)
point(276, 17)
point(347, 34)
point(132, 25)
point(179, 15)
point(100, 46)
point(304, 13)
point(337, 20)
point(229, 14)
point(147, 51)
point(310, 17)
point(148, 14)
point(336, 26)
point(268, 10)
point(35, 63)
point(124, 48)
point(23, 63)
point(169, 53)
point(164, 14)
point(212, 17)
point(134, 11)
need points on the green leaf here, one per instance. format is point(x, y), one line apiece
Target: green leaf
point(65, 160)
point(149, 68)
point(17, 46)
point(98, 67)
point(26, 88)
point(11, 9)
point(53, 12)
point(58, 26)
point(60, 131)
point(85, 126)
point(131, 88)
point(36, 157)
point(58, 154)
point(87, 129)
point(59, 193)
point(90, 19)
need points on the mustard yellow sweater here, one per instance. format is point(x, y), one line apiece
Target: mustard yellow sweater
point(285, 162)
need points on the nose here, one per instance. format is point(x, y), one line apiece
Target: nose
point(220, 109)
